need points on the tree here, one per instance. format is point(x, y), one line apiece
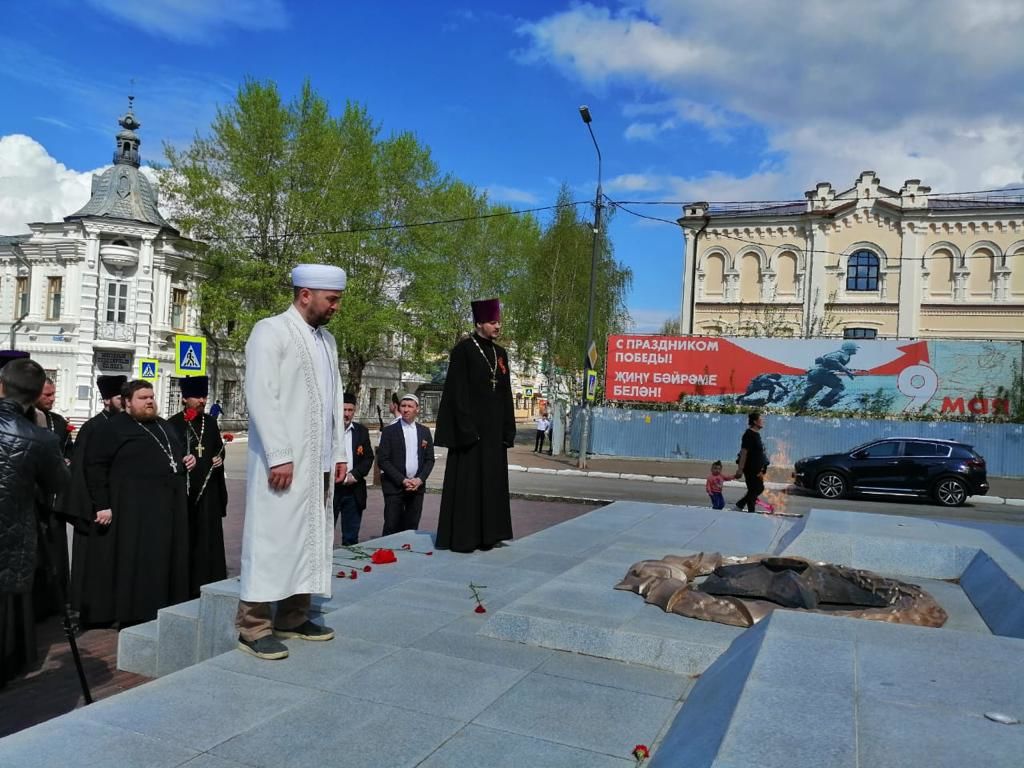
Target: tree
point(671, 327)
point(556, 283)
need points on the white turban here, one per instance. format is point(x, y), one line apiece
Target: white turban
point(319, 277)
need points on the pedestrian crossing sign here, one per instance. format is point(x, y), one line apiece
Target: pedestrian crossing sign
point(189, 355)
point(148, 368)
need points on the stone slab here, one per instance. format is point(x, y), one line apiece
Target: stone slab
point(998, 597)
point(137, 648)
point(177, 637)
point(476, 745)
point(218, 606)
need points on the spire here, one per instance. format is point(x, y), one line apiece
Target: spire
point(127, 152)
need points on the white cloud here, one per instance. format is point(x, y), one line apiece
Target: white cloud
point(510, 194)
point(197, 21)
point(908, 91)
point(35, 187)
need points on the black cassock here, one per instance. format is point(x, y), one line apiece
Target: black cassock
point(207, 499)
point(128, 470)
point(476, 422)
point(92, 545)
point(45, 599)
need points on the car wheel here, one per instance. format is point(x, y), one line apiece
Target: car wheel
point(830, 485)
point(950, 492)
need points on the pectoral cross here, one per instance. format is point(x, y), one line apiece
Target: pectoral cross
point(199, 451)
point(174, 466)
point(494, 383)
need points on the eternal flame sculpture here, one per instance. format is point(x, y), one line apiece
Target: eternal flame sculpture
point(743, 590)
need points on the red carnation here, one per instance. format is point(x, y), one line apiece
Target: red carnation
point(191, 414)
point(71, 428)
point(353, 574)
point(641, 753)
point(227, 437)
point(480, 608)
point(407, 546)
point(428, 554)
point(341, 575)
point(383, 556)
point(367, 569)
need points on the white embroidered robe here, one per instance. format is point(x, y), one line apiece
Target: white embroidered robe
point(288, 535)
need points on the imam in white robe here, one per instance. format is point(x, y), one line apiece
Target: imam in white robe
point(288, 536)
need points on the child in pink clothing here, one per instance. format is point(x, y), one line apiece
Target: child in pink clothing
point(714, 486)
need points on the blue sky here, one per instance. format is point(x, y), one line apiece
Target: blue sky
point(724, 101)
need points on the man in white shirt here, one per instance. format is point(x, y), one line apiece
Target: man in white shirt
point(543, 425)
point(406, 458)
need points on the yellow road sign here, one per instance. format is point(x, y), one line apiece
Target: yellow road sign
point(189, 355)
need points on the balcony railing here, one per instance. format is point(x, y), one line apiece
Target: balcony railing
point(107, 331)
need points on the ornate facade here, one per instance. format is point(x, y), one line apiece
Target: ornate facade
point(864, 263)
point(108, 285)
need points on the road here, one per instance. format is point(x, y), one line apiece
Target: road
point(590, 488)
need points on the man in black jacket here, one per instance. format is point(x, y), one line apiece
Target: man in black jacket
point(350, 493)
point(406, 458)
point(31, 467)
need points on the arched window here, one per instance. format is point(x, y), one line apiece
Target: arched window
point(862, 272)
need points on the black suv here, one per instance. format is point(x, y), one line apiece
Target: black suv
point(947, 471)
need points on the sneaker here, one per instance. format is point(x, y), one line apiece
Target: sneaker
point(263, 647)
point(305, 631)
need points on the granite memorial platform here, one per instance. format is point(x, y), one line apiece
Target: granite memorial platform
point(563, 670)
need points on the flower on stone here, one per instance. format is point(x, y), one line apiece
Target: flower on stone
point(227, 437)
point(352, 574)
point(407, 546)
point(475, 589)
point(383, 556)
point(480, 608)
point(191, 414)
point(367, 569)
point(641, 753)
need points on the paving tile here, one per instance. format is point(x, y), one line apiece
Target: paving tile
point(431, 682)
point(341, 732)
point(311, 665)
point(812, 665)
point(901, 735)
point(74, 740)
point(390, 624)
point(578, 714)
point(207, 760)
point(475, 745)
point(616, 674)
point(198, 707)
point(456, 640)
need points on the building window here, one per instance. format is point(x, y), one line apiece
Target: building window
point(229, 396)
point(117, 303)
point(179, 300)
point(53, 298)
point(859, 333)
point(862, 272)
point(21, 298)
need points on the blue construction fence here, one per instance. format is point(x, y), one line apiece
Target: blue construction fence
point(709, 436)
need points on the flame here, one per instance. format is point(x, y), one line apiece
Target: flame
point(774, 502)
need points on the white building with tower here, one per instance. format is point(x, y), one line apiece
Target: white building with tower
point(106, 288)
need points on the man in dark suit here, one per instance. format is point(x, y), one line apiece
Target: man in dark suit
point(406, 458)
point(350, 493)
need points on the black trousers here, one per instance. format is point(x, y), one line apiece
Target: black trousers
point(402, 512)
point(351, 516)
point(755, 487)
point(538, 444)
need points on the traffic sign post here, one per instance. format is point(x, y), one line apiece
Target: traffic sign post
point(590, 384)
point(148, 367)
point(592, 355)
point(189, 355)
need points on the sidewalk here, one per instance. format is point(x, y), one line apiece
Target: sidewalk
point(1001, 489)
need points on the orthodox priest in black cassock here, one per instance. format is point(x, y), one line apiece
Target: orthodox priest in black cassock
point(476, 422)
point(92, 545)
point(207, 489)
point(135, 469)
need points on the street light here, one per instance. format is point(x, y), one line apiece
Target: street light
point(585, 432)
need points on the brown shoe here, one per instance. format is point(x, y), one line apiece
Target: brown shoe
point(305, 631)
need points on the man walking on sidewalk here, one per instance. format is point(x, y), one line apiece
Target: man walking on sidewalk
point(752, 461)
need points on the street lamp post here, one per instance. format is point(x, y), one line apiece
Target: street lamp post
point(585, 411)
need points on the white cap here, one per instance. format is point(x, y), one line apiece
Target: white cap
point(319, 277)
point(410, 396)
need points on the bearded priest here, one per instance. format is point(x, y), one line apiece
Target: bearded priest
point(135, 471)
point(296, 455)
point(207, 489)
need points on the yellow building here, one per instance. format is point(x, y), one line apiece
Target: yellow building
point(865, 263)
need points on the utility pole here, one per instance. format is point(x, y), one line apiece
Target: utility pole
point(587, 361)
